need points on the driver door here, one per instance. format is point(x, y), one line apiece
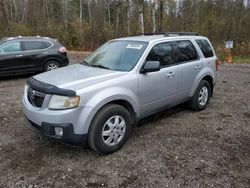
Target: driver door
point(157, 89)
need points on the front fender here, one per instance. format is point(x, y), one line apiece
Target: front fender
point(101, 99)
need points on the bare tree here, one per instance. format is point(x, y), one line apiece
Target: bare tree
point(3, 15)
point(104, 19)
point(129, 16)
point(153, 8)
point(109, 13)
point(81, 12)
point(141, 14)
point(161, 16)
point(90, 12)
point(65, 13)
point(24, 13)
point(117, 22)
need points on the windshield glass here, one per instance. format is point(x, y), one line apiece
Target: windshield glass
point(117, 55)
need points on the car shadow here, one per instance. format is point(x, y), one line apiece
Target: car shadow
point(49, 145)
point(14, 77)
point(162, 114)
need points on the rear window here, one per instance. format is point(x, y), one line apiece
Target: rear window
point(185, 51)
point(35, 45)
point(205, 48)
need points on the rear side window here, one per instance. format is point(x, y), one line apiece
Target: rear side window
point(35, 45)
point(185, 51)
point(163, 53)
point(205, 48)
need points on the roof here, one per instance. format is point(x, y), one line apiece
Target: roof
point(25, 37)
point(143, 38)
point(155, 37)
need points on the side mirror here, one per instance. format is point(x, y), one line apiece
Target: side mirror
point(151, 66)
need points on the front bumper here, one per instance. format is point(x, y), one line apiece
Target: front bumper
point(68, 137)
point(46, 120)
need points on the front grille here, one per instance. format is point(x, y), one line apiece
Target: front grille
point(35, 98)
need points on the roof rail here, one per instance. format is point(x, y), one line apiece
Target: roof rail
point(146, 34)
point(174, 34)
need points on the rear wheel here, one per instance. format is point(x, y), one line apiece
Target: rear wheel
point(109, 129)
point(201, 96)
point(51, 65)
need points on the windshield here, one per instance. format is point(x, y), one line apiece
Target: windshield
point(117, 55)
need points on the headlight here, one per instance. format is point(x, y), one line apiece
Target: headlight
point(61, 102)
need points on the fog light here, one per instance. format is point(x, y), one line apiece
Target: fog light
point(58, 131)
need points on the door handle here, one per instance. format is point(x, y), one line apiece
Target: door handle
point(19, 55)
point(44, 52)
point(170, 74)
point(198, 67)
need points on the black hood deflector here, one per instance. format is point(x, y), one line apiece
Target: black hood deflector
point(49, 89)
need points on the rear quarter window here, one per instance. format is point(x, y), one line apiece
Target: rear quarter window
point(205, 48)
point(47, 44)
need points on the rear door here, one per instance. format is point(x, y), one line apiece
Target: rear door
point(188, 64)
point(33, 52)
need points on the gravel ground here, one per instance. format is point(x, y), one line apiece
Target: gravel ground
point(175, 148)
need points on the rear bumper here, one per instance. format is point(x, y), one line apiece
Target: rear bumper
point(64, 60)
point(68, 137)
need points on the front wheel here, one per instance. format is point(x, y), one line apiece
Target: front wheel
point(110, 129)
point(201, 96)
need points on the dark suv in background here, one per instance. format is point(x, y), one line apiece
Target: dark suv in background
point(20, 55)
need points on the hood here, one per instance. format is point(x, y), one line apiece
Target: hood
point(77, 76)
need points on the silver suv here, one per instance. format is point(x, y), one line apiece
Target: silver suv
point(98, 101)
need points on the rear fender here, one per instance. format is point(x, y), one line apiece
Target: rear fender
point(203, 73)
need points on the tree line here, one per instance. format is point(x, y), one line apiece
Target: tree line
point(85, 24)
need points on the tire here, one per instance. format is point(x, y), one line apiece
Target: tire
point(102, 136)
point(51, 65)
point(201, 96)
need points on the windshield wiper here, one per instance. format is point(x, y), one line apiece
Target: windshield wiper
point(84, 63)
point(99, 66)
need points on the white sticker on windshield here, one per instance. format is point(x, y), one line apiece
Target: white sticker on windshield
point(134, 46)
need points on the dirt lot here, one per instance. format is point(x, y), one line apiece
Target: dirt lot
point(175, 148)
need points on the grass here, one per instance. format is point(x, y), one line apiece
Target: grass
point(241, 59)
point(236, 59)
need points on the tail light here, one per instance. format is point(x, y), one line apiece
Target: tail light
point(217, 63)
point(62, 50)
